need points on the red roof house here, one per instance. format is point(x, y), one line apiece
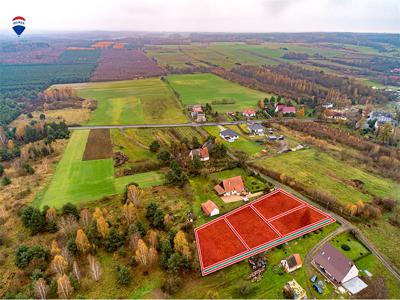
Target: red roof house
point(249, 112)
point(210, 208)
point(292, 263)
point(201, 153)
point(231, 186)
point(285, 109)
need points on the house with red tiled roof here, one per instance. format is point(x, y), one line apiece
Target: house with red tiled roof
point(201, 153)
point(292, 263)
point(248, 113)
point(285, 109)
point(231, 186)
point(210, 208)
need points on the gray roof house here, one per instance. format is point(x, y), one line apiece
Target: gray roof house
point(256, 128)
point(334, 265)
point(229, 135)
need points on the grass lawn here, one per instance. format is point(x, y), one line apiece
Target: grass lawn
point(317, 169)
point(206, 88)
point(132, 101)
point(225, 282)
point(77, 181)
point(203, 191)
point(243, 144)
point(365, 260)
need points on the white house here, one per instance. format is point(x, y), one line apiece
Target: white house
point(210, 208)
point(256, 129)
point(334, 265)
point(229, 135)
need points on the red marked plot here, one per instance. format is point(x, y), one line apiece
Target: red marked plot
point(276, 204)
point(271, 220)
point(218, 242)
point(298, 219)
point(254, 230)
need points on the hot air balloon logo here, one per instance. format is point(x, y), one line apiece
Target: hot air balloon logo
point(18, 25)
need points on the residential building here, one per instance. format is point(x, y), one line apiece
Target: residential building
point(249, 113)
point(285, 109)
point(231, 186)
point(334, 265)
point(229, 135)
point(256, 128)
point(210, 208)
point(201, 153)
point(292, 263)
point(198, 114)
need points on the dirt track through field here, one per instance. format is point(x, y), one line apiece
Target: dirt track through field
point(98, 145)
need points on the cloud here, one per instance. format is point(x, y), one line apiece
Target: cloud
point(206, 15)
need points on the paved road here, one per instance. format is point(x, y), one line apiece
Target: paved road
point(84, 127)
point(162, 125)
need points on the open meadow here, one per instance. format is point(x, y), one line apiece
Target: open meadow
point(326, 174)
point(77, 180)
point(143, 101)
point(209, 88)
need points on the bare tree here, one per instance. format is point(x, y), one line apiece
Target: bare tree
point(86, 218)
point(134, 194)
point(68, 225)
point(95, 268)
point(41, 289)
point(133, 241)
point(76, 271)
point(64, 287)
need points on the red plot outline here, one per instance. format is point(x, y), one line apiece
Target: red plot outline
point(282, 238)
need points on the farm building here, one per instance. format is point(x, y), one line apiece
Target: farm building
point(201, 153)
point(285, 109)
point(294, 290)
point(198, 114)
point(355, 285)
point(231, 186)
point(334, 265)
point(248, 113)
point(256, 129)
point(210, 208)
point(229, 135)
point(292, 263)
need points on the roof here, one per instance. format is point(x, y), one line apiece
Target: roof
point(256, 126)
point(231, 184)
point(228, 132)
point(355, 285)
point(334, 262)
point(208, 207)
point(249, 111)
point(293, 261)
point(285, 109)
point(201, 152)
point(197, 108)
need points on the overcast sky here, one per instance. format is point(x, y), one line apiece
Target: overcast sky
point(205, 15)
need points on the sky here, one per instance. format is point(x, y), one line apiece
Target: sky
point(205, 15)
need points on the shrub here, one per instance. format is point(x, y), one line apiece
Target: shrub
point(33, 219)
point(1, 170)
point(24, 255)
point(5, 181)
point(70, 209)
point(244, 289)
point(172, 285)
point(345, 247)
point(123, 275)
point(113, 241)
point(154, 146)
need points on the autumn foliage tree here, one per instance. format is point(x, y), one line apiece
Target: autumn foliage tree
point(82, 241)
point(59, 264)
point(94, 267)
point(129, 211)
point(181, 244)
point(142, 253)
point(134, 194)
point(41, 289)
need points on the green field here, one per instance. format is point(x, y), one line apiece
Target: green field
point(132, 102)
point(206, 88)
point(326, 174)
point(72, 66)
point(78, 181)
